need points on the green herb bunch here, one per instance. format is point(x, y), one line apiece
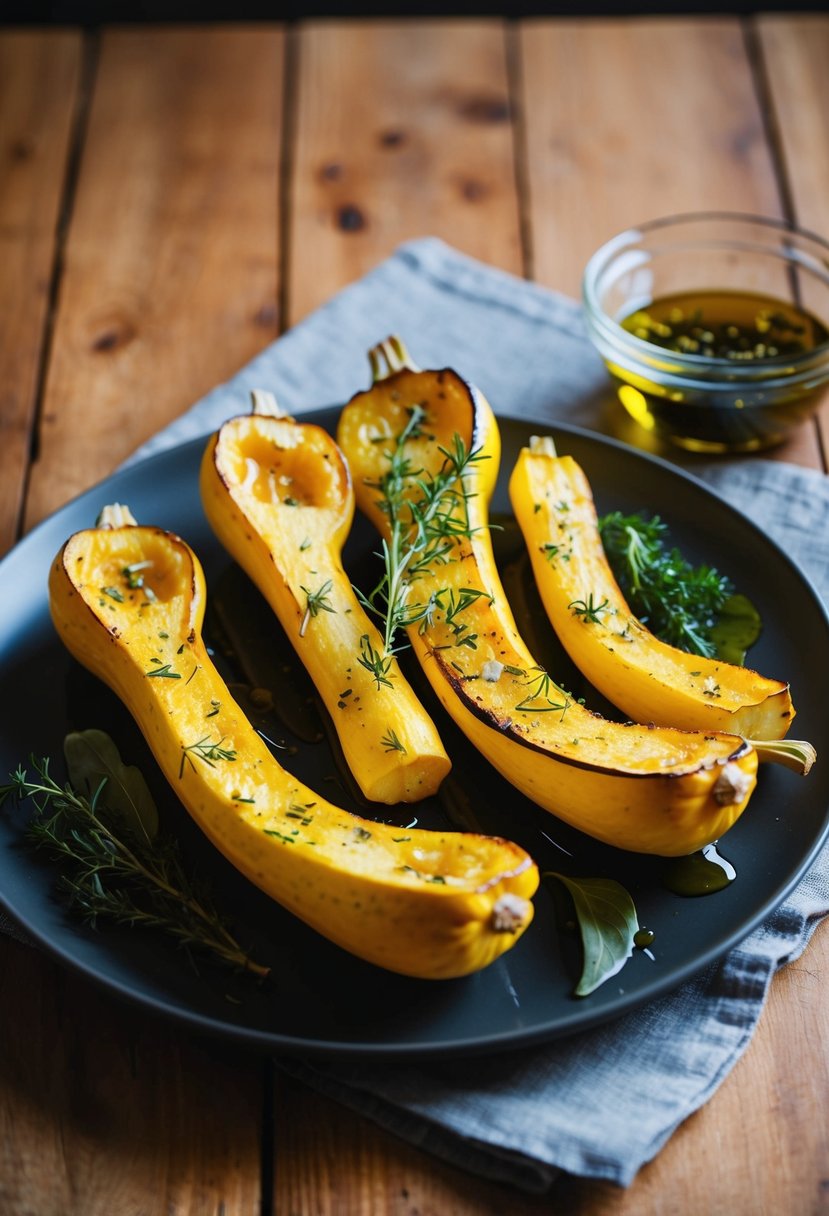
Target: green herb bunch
point(115, 863)
point(680, 603)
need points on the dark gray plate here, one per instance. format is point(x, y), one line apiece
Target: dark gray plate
point(319, 999)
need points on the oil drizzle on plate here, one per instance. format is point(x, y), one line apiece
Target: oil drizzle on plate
point(702, 873)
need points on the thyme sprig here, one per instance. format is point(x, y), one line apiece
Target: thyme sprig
point(119, 876)
point(427, 515)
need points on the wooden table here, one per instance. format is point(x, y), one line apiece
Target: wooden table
point(171, 199)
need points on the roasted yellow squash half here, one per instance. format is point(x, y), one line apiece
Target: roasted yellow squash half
point(659, 790)
point(646, 678)
point(278, 495)
point(128, 603)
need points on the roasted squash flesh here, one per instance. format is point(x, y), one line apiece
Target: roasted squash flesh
point(278, 495)
point(646, 678)
point(663, 790)
point(428, 904)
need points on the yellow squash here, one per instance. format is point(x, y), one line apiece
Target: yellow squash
point(662, 790)
point(128, 603)
point(646, 678)
point(278, 495)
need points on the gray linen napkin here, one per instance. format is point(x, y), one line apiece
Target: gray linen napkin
point(602, 1103)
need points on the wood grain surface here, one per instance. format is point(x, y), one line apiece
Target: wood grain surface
point(797, 88)
point(40, 92)
point(401, 130)
point(171, 198)
point(170, 274)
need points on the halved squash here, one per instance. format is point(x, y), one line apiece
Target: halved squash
point(128, 603)
point(646, 678)
point(661, 790)
point(278, 495)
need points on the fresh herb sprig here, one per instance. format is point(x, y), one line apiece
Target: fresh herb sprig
point(679, 602)
point(427, 516)
point(316, 602)
point(112, 870)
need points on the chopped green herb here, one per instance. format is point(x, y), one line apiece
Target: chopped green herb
point(279, 835)
point(316, 602)
point(206, 751)
point(166, 672)
point(391, 742)
point(588, 610)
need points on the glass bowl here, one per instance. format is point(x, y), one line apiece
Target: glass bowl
point(714, 326)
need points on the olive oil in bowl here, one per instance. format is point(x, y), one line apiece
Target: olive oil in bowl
point(753, 344)
point(730, 325)
point(692, 317)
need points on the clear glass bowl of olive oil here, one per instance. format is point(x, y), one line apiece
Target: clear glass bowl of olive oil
point(714, 327)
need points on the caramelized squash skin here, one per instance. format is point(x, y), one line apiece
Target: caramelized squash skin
point(278, 495)
point(646, 678)
point(662, 790)
point(426, 904)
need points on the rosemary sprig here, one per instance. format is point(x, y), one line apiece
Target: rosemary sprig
point(427, 515)
point(119, 876)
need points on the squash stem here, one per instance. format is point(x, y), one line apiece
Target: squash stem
point(115, 515)
point(388, 357)
point(265, 404)
point(795, 754)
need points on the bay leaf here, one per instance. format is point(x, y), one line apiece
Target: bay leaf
point(607, 923)
point(92, 757)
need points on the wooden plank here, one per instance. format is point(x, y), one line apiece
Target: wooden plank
point(795, 51)
point(648, 118)
point(402, 130)
point(104, 1109)
point(170, 279)
point(40, 79)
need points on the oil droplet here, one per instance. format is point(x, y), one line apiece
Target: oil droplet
point(702, 873)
